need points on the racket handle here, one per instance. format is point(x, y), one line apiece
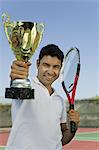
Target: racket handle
point(71, 106)
point(73, 126)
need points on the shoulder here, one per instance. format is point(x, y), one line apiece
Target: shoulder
point(60, 98)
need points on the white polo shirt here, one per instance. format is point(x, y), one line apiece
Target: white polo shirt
point(36, 123)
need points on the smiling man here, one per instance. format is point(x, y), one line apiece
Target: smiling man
point(41, 124)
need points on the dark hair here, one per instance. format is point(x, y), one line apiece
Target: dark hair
point(52, 50)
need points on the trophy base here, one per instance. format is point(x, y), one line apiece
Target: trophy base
point(19, 93)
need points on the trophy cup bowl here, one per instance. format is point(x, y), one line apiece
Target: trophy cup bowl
point(24, 38)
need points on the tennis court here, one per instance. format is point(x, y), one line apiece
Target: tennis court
point(86, 138)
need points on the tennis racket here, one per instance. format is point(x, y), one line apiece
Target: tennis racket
point(70, 74)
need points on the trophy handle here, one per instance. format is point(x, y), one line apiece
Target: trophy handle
point(38, 38)
point(7, 26)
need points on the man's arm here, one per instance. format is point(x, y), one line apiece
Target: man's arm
point(67, 136)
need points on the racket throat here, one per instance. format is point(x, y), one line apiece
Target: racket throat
point(71, 106)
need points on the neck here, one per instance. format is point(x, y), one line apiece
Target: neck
point(49, 88)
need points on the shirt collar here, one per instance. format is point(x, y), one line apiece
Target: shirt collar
point(36, 80)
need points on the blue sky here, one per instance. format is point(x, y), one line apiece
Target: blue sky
point(68, 23)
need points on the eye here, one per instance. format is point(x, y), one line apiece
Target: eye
point(46, 65)
point(57, 67)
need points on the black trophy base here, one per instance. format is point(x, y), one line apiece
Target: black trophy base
point(19, 93)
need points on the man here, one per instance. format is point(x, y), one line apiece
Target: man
point(40, 124)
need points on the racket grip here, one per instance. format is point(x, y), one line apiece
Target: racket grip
point(73, 127)
point(71, 106)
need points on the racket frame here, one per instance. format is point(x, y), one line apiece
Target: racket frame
point(71, 99)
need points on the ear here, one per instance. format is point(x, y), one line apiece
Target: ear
point(37, 63)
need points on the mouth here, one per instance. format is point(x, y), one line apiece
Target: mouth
point(48, 78)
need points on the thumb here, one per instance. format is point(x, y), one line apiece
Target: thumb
point(27, 64)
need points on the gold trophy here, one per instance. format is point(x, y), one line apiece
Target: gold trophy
point(24, 38)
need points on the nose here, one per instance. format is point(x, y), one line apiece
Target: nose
point(50, 71)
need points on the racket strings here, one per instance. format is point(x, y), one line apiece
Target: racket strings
point(70, 69)
point(70, 73)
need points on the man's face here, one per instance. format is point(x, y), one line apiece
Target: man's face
point(48, 69)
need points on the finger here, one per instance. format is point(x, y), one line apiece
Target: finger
point(28, 64)
point(72, 111)
point(21, 64)
point(17, 76)
point(19, 73)
point(76, 119)
point(19, 70)
point(74, 115)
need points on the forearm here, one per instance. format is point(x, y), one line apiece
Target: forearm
point(67, 136)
